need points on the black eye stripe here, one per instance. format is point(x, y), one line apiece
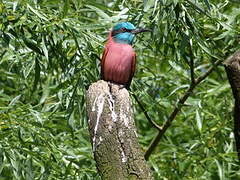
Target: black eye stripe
point(128, 30)
point(115, 32)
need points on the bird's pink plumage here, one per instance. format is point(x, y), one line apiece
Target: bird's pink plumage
point(118, 62)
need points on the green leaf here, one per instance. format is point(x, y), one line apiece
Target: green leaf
point(14, 100)
point(32, 45)
point(198, 121)
point(148, 4)
point(44, 48)
point(37, 13)
point(184, 43)
point(208, 4)
point(37, 75)
point(220, 170)
point(66, 7)
point(100, 12)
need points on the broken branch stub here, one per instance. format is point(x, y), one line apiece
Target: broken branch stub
point(113, 133)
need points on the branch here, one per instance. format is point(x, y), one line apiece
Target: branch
point(191, 65)
point(116, 150)
point(146, 114)
point(178, 107)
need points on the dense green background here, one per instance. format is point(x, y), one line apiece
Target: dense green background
point(49, 55)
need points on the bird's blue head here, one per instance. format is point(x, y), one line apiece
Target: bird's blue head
point(121, 34)
point(124, 32)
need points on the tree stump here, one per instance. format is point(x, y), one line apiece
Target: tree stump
point(232, 67)
point(113, 133)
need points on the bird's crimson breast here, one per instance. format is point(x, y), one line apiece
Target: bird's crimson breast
point(118, 62)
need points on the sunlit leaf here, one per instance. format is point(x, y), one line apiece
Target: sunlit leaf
point(13, 102)
point(198, 121)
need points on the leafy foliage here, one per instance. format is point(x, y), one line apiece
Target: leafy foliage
point(50, 55)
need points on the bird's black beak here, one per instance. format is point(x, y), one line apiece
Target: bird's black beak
point(140, 30)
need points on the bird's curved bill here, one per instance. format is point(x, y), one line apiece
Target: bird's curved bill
point(140, 30)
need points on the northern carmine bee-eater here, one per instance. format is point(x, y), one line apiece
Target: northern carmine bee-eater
point(119, 59)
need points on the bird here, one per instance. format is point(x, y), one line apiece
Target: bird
point(118, 62)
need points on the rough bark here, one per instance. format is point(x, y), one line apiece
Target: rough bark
point(113, 133)
point(232, 67)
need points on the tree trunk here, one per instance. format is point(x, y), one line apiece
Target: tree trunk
point(113, 133)
point(232, 67)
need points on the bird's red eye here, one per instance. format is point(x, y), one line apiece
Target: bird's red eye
point(123, 29)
